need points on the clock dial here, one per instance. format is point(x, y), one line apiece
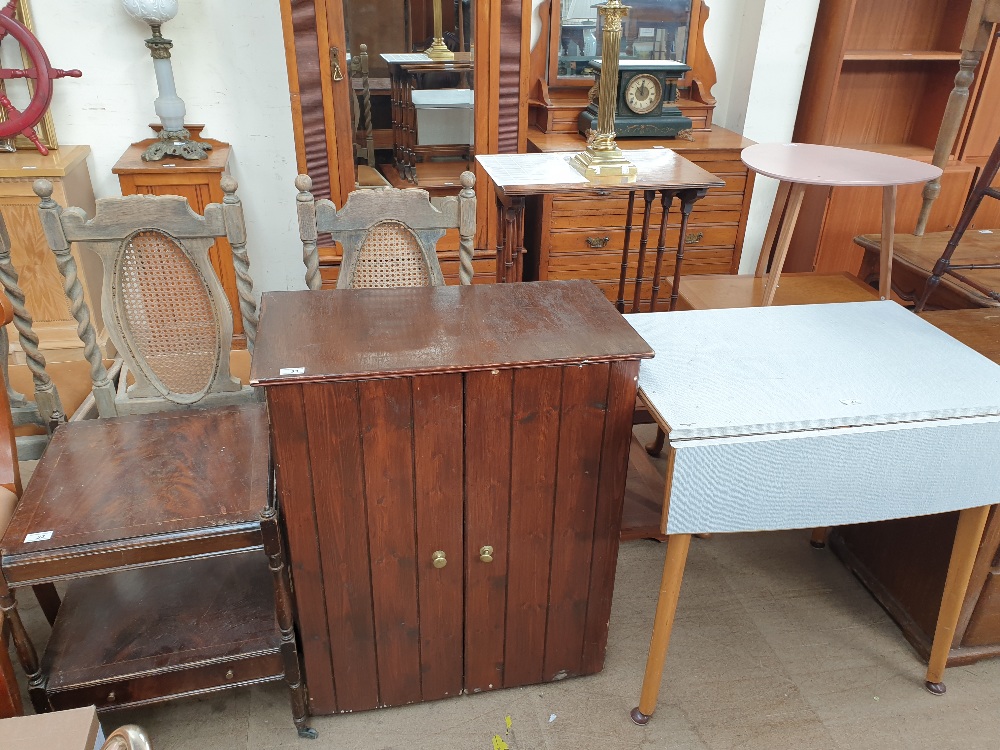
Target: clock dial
point(643, 93)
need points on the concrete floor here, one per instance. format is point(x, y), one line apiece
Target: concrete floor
point(776, 646)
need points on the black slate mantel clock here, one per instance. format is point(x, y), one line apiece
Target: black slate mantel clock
point(647, 96)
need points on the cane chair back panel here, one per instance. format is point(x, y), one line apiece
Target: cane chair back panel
point(163, 304)
point(389, 236)
point(390, 255)
point(166, 312)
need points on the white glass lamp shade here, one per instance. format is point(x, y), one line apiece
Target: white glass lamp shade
point(151, 11)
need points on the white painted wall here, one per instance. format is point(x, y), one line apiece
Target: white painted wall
point(760, 48)
point(230, 68)
point(229, 63)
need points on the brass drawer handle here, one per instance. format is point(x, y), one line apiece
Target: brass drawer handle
point(486, 553)
point(694, 237)
point(438, 560)
point(598, 241)
point(602, 193)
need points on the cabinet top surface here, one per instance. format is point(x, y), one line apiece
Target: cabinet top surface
point(716, 139)
point(813, 164)
point(131, 160)
point(808, 367)
point(537, 173)
point(32, 165)
point(355, 334)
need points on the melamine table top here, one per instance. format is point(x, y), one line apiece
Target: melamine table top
point(812, 164)
point(767, 370)
point(818, 415)
point(541, 173)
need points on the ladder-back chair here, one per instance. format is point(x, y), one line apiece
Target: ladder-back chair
point(389, 237)
point(166, 311)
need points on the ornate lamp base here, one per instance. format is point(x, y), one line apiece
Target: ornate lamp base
point(438, 50)
point(603, 163)
point(176, 143)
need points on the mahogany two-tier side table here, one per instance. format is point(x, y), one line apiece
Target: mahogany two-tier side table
point(451, 462)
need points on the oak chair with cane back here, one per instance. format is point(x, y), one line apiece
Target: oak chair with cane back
point(158, 520)
point(389, 236)
point(166, 311)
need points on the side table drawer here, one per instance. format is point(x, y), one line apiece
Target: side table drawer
point(611, 241)
point(161, 686)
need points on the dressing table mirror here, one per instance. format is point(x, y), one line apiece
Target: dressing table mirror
point(319, 36)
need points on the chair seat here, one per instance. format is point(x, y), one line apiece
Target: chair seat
point(139, 490)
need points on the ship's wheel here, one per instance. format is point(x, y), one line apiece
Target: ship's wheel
point(40, 71)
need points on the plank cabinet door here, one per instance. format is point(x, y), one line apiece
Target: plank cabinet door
point(453, 531)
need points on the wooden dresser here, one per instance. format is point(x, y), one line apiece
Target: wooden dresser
point(452, 487)
point(568, 237)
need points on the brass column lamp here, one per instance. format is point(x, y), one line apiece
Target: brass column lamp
point(603, 158)
point(438, 50)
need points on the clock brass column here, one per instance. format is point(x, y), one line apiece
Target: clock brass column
point(603, 158)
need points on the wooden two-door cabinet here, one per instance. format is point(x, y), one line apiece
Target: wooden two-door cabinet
point(451, 463)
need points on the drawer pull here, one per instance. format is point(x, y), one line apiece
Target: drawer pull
point(486, 553)
point(111, 697)
point(693, 237)
point(602, 193)
point(598, 241)
point(229, 675)
point(438, 559)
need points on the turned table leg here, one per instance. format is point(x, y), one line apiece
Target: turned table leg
point(971, 523)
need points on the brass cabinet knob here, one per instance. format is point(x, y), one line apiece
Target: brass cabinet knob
point(486, 553)
point(438, 559)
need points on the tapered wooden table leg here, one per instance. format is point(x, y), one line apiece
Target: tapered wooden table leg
point(888, 231)
point(795, 195)
point(971, 523)
point(663, 625)
point(780, 201)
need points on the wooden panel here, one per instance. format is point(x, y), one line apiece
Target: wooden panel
point(901, 102)
point(334, 438)
point(437, 451)
point(924, 24)
point(622, 386)
point(387, 420)
point(535, 442)
point(39, 277)
point(487, 508)
point(294, 481)
point(584, 402)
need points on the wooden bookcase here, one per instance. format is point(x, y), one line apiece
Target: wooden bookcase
point(878, 78)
